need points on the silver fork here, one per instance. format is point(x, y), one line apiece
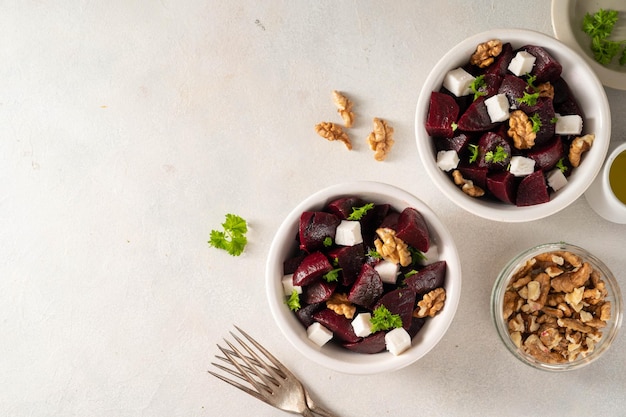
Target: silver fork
point(270, 382)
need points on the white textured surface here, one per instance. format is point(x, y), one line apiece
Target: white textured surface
point(130, 128)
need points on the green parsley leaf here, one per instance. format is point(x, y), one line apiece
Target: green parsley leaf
point(554, 120)
point(454, 126)
point(332, 276)
point(358, 212)
point(328, 241)
point(536, 121)
point(383, 319)
point(293, 301)
point(410, 273)
point(416, 255)
point(531, 81)
point(599, 26)
point(560, 165)
point(478, 86)
point(529, 99)
point(233, 238)
point(473, 153)
point(374, 254)
point(498, 156)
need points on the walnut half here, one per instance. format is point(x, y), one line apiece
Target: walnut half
point(332, 131)
point(381, 139)
point(431, 304)
point(344, 108)
point(486, 52)
point(521, 130)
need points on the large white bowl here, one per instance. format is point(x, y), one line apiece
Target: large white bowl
point(583, 83)
point(333, 356)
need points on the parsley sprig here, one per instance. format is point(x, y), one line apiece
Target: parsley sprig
point(358, 212)
point(233, 238)
point(383, 319)
point(498, 156)
point(599, 27)
point(478, 86)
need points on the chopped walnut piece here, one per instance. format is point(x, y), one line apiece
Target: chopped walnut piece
point(392, 248)
point(344, 108)
point(485, 53)
point(546, 90)
point(571, 280)
point(521, 130)
point(579, 146)
point(381, 139)
point(431, 304)
point(467, 186)
point(340, 304)
point(332, 131)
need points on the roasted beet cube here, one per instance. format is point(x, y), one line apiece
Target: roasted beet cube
point(412, 229)
point(428, 278)
point(514, 88)
point(416, 326)
point(315, 227)
point(400, 301)
point(305, 314)
point(456, 143)
point(342, 207)
point(442, 113)
point(546, 68)
point(318, 292)
point(338, 324)
point(547, 156)
point(474, 173)
point(373, 343)
point(290, 265)
point(476, 118)
point(502, 185)
point(532, 190)
point(494, 152)
point(501, 64)
point(349, 259)
point(367, 288)
point(544, 112)
point(312, 268)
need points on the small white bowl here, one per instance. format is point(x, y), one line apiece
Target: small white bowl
point(567, 21)
point(334, 356)
point(582, 82)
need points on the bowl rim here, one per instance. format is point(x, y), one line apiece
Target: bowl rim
point(574, 66)
point(497, 296)
point(336, 357)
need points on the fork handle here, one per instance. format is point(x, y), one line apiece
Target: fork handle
point(307, 413)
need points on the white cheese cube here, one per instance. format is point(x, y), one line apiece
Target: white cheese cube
point(498, 108)
point(397, 341)
point(447, 160)
point(362, 325)
point(288, 286)
point(319, 334)
point(556, 179)
point(522, 63)
point(348, 233)
point(430, 256)
point(571, 124)
point(388, 271)
point(522, 166)
point(458, 81)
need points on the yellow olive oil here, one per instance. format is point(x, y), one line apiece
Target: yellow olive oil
point(617, 177)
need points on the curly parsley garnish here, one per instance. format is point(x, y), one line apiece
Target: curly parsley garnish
point(374, 254)
point(233, 238)
point(529, 99)
point(473, 152)
point(560, 165)
point(293, 302)
point(536, 121)
point(358, 212)
point(383, 319)
point(498, 156)
point(332, 276)
point(599, 27)
point(328, 241)
point(478, 86)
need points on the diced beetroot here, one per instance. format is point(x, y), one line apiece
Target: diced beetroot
point(532, 190)
point(338, 324)
point(501, 64)
point(400, 301)
point(412, 229)
point(428, 278)
point(564, 101)
point(476, 118)
point(349, 259)
point(315, 226)
point(371, 220)
point(489, 146)
point(391, 220)
point(373, 343)
point(290, 265)
point(318, 292)
point(456, 143)
point(502, 185)
point(342, 207)
point(305, 314)
point(492, 84)
point(312, 268)
point(548, 155)
point(367, 288)
point(474, 173)
point(443, 111)
point(416, 326)
point(545, 110)
point(513, 87)
point(546, 68)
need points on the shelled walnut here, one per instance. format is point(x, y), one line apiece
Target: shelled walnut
point(332, 131)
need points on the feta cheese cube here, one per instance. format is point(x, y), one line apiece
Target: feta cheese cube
point(430, 256)
point(288, 286)
point(522, 166)
point(388, 271)
point(498, 108)
point(571, 124)
point(348, 233)
point(458, 81)
point(319, 334)
point(522, 63)
point(397, 341)
point(447, 160)
point(362, 325)
point(556, 179)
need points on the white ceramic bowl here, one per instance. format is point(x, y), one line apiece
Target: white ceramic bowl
point(334, 356)
point(567, 18)
point(582, 82)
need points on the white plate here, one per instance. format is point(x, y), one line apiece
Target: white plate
point(567, 20)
